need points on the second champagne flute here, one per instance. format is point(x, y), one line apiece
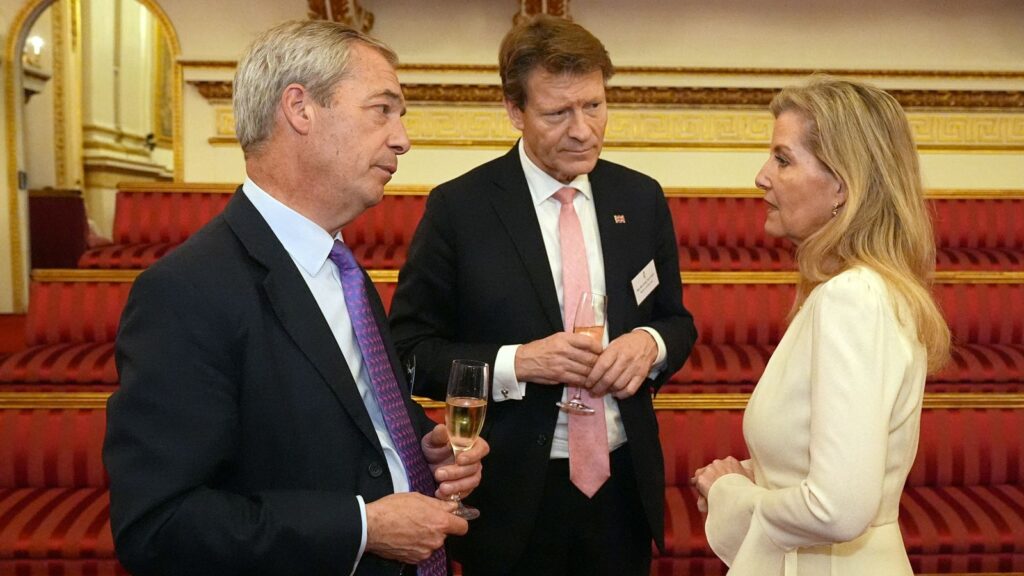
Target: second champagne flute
point(589, 320)
point(465, 407)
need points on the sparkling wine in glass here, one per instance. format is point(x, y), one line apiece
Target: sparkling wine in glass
point(466, 405)
point(589, 320)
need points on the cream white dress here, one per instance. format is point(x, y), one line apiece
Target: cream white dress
point(832, 429)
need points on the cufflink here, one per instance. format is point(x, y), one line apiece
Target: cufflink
point(504, 393)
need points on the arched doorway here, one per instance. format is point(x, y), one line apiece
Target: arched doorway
point(14, 263)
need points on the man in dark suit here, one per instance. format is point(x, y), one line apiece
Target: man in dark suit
point(263, 425)
point(494, 274)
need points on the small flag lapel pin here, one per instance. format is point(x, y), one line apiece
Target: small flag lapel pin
point(620, 219)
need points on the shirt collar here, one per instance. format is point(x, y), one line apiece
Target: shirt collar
point(306, 242)
point(542, 185)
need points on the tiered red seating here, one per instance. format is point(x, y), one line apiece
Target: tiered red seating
point(151, 219)
point(717, 229)
point(54, 506)
point(741, 322)
point(724, 230)
point(70, 330)
point(962, 509)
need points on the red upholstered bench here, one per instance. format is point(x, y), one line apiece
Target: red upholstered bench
point(151, 219)
point(71, 325)
point(69, 331)
point(54, 506)
point(717, 229)
point(741, 317)
point(962, 510)
point(724, 230)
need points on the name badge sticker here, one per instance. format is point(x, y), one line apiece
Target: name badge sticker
point(645, 282)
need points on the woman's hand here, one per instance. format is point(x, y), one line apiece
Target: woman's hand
point(704, 477)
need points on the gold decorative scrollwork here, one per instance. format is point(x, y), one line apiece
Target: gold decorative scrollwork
point(529, 8)
point(343, 11)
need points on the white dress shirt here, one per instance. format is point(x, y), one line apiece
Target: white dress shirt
point(506, 385)
point(309, 246)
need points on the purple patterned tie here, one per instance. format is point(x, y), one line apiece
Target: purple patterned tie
point(385, 387)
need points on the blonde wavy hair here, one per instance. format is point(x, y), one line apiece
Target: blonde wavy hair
point(862, 135)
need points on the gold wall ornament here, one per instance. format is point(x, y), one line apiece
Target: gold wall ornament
point(214, 89)
point(528, 8)
point(343, 11)
point(678, 128)
point(677, 96)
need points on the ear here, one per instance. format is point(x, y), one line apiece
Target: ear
point(840, 194)
point(296, 107)
point(515, 114)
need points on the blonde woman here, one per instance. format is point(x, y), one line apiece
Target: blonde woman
point(832, 427)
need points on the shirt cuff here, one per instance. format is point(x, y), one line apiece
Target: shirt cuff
point(506, 385)
point(659, 362)
point(362, 540)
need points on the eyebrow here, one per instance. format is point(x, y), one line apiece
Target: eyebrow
point(395, 98)
point(782, 148)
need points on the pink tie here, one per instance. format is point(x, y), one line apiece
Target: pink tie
point(588, 438)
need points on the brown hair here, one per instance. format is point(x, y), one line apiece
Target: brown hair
point(555, 44)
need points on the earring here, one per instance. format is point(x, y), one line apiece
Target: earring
point(835, 209)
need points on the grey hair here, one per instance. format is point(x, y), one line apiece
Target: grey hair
point(313, 53)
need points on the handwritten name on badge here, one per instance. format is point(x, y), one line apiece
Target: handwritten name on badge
point(645, 282)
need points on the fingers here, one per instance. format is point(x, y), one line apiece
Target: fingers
point(438, 437)
point(704, 478)
point(409, 526)
point(464, 476)
point(623, 366)
point(435, 447)
point(561, 358)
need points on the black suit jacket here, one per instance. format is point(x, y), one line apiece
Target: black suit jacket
point(238, 441)
point(478, 277)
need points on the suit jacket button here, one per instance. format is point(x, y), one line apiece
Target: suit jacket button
point(375, 469)
point(542, 439)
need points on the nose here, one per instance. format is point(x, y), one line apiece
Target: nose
point(761, 180)
point(578, 127)
point(399, 140)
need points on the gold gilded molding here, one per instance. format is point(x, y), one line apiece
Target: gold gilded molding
point(213, 89)
point(187, 187)
point(790, 277)
point(53, 400)
point(528, 8)
point(666, 401)
point(688, 128)
point(708, 97)
point(225, 118)
point(208, 64)
point(83, 275)
point(383, 276)
point(20, 26)
point(684, 71)
point(717, 96)
point(343, 11)
point(755, 72)
point(59, 87)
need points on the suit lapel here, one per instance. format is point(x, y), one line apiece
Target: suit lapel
point(615, 243)
point(297, 310)
point(514, 206)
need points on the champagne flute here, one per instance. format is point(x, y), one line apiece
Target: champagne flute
point(465, 407)
point(589, 320)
